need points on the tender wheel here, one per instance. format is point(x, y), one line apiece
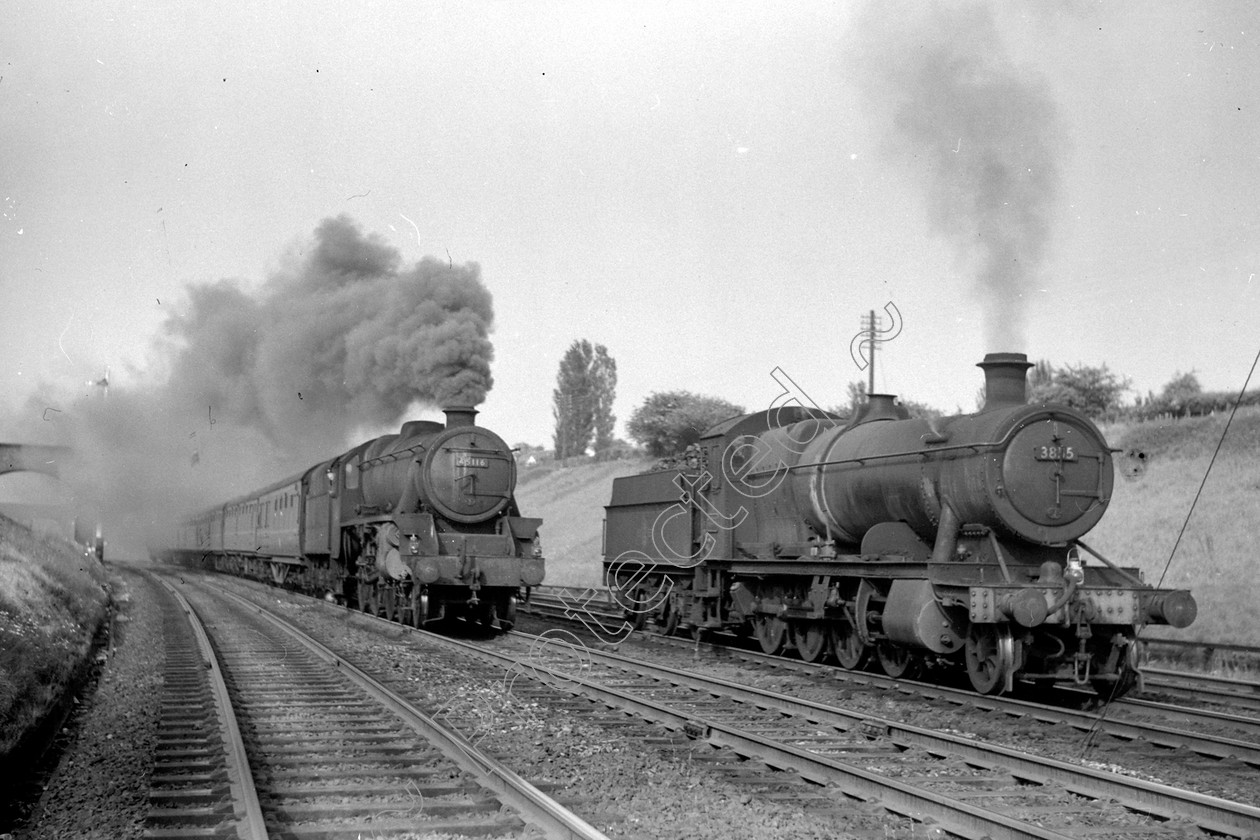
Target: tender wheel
point(851, 652)
point(771, 634)
point(897, 661)
point(635, 614)
point(990, 657)
point(810, 638)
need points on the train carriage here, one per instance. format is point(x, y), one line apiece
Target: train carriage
point(419, 526)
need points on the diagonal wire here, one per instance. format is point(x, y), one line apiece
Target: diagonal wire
point(1208, 471)
point(1102, 713)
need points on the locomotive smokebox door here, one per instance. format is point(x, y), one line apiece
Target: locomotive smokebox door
point(1056, 479)
point(468, 474)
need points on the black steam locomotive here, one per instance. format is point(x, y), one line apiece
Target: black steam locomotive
point(417, 527)
point(903, 541)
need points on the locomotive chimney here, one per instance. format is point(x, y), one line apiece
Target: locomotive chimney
point(1005, 379)
point(460, 415)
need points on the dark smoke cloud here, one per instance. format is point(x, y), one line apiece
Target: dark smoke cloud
point(978, 131)
point(358, 339)
point(258, 384)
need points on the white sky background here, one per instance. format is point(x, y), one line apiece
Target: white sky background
point(695, 185)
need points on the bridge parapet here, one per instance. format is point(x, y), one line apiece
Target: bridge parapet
point(32, 457)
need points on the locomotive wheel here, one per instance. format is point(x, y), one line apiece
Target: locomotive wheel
point(672, 618)
point(635, 614)
point(505, 612)
point(419, 606)
point(851, 651)
point(1131, 657)
point(810, 638)
point(363, 596)
point(387, 603)
point(771, 633)
point(990, 657)
point(897, 661)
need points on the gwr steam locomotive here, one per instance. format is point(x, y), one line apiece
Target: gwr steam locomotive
point(905, 541)
point(418, 527)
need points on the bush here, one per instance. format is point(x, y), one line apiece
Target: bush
point(669, 422)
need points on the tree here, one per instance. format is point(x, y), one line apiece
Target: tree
point(1095, 391)
point(669, 421)
point(1040, 374)
point(856, 392)
point(1179, 391)
point(604, 376)
point(582, 401)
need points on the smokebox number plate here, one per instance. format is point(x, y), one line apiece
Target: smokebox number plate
point(463, 459)
point(1054, 453)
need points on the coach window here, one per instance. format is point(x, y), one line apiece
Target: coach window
point(352, 473)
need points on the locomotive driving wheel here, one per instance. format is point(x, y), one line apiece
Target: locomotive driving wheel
point(771, 633)
point(990, 657)
point(896, 660)
point(810, 638)
point(673, 617)
point(387, 601)
point(419, 606)
point(505, 612)
point(851, 651)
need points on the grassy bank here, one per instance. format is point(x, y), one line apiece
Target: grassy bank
point(1215, 557)
point(571, 501)
point(51, 603)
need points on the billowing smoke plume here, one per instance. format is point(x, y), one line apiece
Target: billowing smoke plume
point(978, 131)
point(343, 338)
point(258, 385)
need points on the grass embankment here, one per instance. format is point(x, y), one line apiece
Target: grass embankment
point(1216, 556)
point(51, 603)
point(571, 502)
point(1215, 559)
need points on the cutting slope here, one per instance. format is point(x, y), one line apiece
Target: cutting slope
point(571, 502)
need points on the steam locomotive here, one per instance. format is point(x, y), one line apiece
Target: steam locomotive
point(900, 541)
point(417, 527)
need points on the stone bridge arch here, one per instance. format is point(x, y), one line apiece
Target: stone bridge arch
point(32, 457)
point(46, 460)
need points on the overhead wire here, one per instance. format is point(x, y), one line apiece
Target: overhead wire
point(1091, 736)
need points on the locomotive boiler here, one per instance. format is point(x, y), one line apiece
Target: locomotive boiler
point(903, 541)
point(418, 526)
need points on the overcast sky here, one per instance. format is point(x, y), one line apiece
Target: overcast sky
point(712, 190)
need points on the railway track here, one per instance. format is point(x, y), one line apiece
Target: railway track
point(957, 785)
point(1240, 694)
point(905, 766)
point(1228, 734)
point(318, 749)
point(596, 607)
point(1206, 733)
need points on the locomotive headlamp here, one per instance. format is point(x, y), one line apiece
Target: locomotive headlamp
point(331, 475)
point(537, 551)
point(1075, 568)
point(413, 545)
